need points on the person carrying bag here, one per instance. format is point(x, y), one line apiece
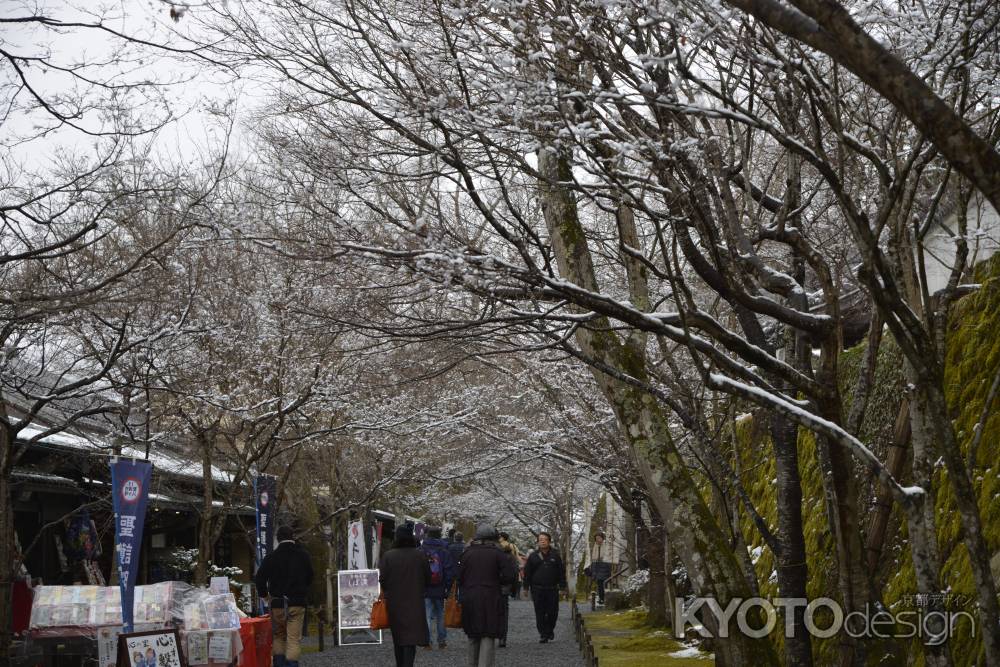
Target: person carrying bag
point(453, 609)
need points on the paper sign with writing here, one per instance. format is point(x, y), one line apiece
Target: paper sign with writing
point(156, 648)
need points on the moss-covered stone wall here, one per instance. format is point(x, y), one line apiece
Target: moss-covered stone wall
point(973, 356)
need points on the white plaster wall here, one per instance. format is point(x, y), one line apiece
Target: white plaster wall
point(939, 246)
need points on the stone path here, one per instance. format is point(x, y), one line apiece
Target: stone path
point(522, 647)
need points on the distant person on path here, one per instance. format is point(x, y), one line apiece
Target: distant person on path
point(598, 566)
point(404, 575)
point(456, 548)
point(510, 549)
point(283, 579)
point(442, 574)
point(544, 576)
point(485, 569)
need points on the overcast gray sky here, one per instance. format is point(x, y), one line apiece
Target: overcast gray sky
point(186, 91)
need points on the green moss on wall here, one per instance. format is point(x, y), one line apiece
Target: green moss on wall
point(973, 356)
point(971, 361)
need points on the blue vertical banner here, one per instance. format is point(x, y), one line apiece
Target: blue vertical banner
point(265, 489)
point(130, 491)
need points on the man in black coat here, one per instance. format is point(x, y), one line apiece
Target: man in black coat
point(484, 570)
point(544, 575)
point(404, 574)
point(283, 579)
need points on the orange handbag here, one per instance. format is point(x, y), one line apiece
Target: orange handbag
point(453, 609)
point(380, 614)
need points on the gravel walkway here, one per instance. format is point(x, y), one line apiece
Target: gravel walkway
point(522, 647)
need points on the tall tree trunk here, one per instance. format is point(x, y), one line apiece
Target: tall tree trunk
point(878, 526)
point(7, 557)
point(791, 557)
point(656, 594)
point(924, 550)
point(205, 525)
point(671, 587)
point(8, 553)
point(688, 521)
point(932, 399)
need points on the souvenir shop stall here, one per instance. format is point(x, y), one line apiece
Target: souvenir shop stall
point(166, 624)
point(81, 625)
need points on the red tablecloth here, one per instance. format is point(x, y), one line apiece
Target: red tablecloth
point(256, 636)
point(21, 603)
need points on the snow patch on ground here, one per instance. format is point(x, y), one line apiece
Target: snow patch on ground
point(691, 652)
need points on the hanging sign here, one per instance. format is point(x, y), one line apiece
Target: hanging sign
point(265, 490)
point(130, 491)
point(357, 556)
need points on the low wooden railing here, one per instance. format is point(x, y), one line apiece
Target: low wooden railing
point(583, 637)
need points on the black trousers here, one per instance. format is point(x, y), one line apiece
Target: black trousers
point(600, 590)
point(506, 617)
point(405, 655)
point(546, 610)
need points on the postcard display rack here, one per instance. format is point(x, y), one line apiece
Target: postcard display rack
point(86, 620)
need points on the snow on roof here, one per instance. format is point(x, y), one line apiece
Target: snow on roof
point(168, 462)
point(47, 478)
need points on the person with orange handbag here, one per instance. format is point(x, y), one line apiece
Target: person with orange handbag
point(404, 574)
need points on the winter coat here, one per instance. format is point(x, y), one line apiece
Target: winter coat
point(404, 574)
point(598, 563)
point(285, 573)
point(484, 569)
point(510, 549)
point(599, 553)
point(456, 549)
point(544, 572)
point(432, 546)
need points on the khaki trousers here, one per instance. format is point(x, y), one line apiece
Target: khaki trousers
point(286, 623)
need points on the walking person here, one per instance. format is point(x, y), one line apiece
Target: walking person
point(456, 548)
point(544, 576)
point(508, 592)
point(442, 574)
point(283, 580)
point(404, 574)
point(598, 566)
point(485, 569)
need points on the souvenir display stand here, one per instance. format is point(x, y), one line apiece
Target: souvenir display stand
point(80, 625)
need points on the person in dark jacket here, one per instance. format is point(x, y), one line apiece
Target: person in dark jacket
point(456, 548)
point(484, 570)
point(404, 575)
point(544, 575)
point(442, 574)
point(283, 579)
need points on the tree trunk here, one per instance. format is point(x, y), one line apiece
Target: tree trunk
point(656, 594)
point(933, 400)
point(840, 489)
point(331, 573)
point(7, 550)
point(688, 521)
point(205, 532)
point(791, 556)
point(878, 526)
point(671, 587)
point(7, 555)
point(920, 519)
